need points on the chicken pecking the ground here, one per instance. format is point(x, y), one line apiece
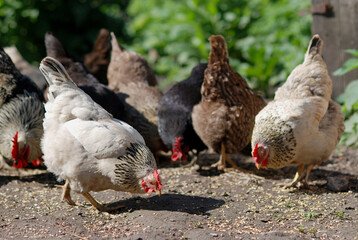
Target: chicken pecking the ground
point(84, 145)
point(174, 115)
point(302, 125)
point(130, 80)
point(99, 92)
point(98, 60)
point(21, 116)
point(224, 118)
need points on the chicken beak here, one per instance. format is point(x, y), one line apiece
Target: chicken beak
point(158, 192)
point(258, 165)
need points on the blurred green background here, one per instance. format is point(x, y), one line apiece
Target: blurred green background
point(266, 38)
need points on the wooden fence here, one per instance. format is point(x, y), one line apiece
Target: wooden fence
point(336, 21)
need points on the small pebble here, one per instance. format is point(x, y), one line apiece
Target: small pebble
point(337, 184)
point(214, 234)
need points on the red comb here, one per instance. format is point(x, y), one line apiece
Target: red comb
point(177, 143)
point(178, 153)
point(15, 147)
point(19, 161)
point(256, 151)
point(156, 175)
point(37, 162)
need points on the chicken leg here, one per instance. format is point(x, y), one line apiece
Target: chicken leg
point(66, 193)
point(299, 176)
point(221, 164)
point(99, 206)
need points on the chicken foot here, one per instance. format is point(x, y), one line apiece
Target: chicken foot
point(302, 175)
point(99, 206)
point(221, 164)
point(66, 193)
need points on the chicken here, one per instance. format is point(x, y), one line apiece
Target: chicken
point(302, 125)
point(100, 93)
point(141, 99)
point(87, 147)
point(25, 68)
point(128, 67)
point(174, 115)
point(21, 115)
point(97, 61)
point(224, 118)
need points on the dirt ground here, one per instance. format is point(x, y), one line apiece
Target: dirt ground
point(195, 204)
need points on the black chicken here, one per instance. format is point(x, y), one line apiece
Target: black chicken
point(174, 115)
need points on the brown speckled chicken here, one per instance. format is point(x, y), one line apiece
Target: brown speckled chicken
point(224, 118)
point(141, 99)
point(97, 61)
point(302, 125)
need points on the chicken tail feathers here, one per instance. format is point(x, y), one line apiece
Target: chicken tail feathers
point(315, 46)
point(219, 50)
point(115, 45)
point(53, 72)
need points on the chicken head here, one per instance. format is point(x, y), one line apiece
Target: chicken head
point(179, 150)
point(152, 183)
point(19, 154)
point(260, 154)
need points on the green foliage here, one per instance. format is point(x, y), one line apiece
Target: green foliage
point(75, 22)
point(266, 38)
point(349, 65)
point(349, 100)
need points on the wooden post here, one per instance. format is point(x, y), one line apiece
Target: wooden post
point(336, 21)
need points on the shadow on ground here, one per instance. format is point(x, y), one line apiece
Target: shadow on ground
point(171, 202)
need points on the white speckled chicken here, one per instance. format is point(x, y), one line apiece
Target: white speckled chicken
point(302, 125)
point(21, 115)
point(87, 147)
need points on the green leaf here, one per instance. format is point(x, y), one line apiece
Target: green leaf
point(353, 52)
point(349, 97)
point(348, 66)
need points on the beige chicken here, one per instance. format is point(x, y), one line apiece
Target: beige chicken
point(129, 75)
point(302, 125)
point(224, 118)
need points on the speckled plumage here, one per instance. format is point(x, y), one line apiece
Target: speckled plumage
point(228, 106)
point(21, 110)
point(302, 125)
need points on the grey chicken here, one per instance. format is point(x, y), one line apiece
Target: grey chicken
point(302, 125)
point(87, 147)
point(174, 115)
point(21, 116)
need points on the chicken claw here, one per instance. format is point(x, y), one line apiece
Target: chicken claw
point(99, 206)
point(66, 193)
